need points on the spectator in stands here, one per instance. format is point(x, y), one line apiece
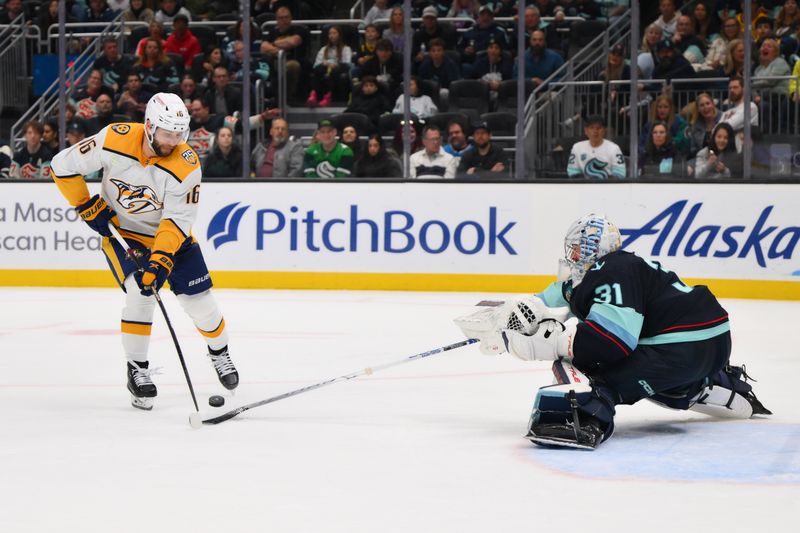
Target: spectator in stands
point(586, 9)
point(771, 64)
point(533, 21)
point(280, 156)
point(720, 160)
point(757, 12)
point(487, 160)
point(432, 162)
point(429, 29)
point(457, 144)
point(787, 23)
point(395, 33)
point(438, 67)
point(718, 51)
point(671, 64)
point(188, 90)
point(688, 44)
point(182, 41)
point(32, 161)
point(202, 127)
point(94, 84)
point(222, 98)
point(10, 11)
point(663, 110)
point(76, 132)
point(350, 138)
point(380, 10)
point(660, 157)
point(327, 158)
point(477, 38)
point(138, 12)
point(48, 15)
point(596, 157)
point(540, 63)
point(706, 21)
point(415, 141)
point(169, 9)
point(103, 117)
point(203, 71)
point(293, 40)
point(420, 104)
point(5, 160)
point(464, 9)
point(734, 59)
point(225, 159)
point(331, 69)
point(156, 32)
point(114, 66)
point(704, 116)
point(236, 33)
point(647, 52)
point(493, 67)
point(50, 135)
point(259, 65)
point(155, 67)
point(764, 30)
point(734, 114)
point(377, 162)
point(386, 67)
point(97, 11)
point(365, 52)
point(668, 18)
point(134, 100)
point(369, 100)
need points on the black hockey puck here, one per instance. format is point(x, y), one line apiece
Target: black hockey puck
point(216, 401)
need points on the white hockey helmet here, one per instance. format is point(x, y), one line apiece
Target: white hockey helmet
point(166, 111)
point(588, 239)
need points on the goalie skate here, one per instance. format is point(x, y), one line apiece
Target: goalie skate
point(566, 435)
point(141, 387)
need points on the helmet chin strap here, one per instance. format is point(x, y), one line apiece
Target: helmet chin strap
point(150, 138)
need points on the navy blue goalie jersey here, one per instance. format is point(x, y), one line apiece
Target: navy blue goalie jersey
point(625, 301)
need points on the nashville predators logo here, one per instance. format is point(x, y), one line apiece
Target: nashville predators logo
point(136, 198)
point(189, 156)
point(122, 129)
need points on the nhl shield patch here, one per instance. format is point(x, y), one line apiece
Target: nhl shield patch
point(189, 156)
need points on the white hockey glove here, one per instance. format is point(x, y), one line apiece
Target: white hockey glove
point(551, 340)
point(487, 323)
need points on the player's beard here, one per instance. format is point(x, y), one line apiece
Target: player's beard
point(160, 150)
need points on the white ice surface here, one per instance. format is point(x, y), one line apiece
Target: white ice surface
point(434, 445)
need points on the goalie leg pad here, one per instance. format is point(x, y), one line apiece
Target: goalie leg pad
point(571, 415)
point(729, 395)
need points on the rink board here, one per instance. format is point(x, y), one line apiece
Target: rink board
point(740, 239)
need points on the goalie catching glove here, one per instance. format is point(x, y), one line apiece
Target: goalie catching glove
point(551, 340)
point(153, 277)
point(96, 213)
point(487, 323)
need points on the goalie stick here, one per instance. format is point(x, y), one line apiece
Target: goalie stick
point(196, 421)
point(130, 252)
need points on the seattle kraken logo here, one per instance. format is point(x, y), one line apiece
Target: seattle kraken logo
point(224, 226)
point(136, 199)
point(596, 169)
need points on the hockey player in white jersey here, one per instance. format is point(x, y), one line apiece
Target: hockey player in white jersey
point(150, 191)
point(596, 157)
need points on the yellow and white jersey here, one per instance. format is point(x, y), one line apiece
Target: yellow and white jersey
point(154, 198)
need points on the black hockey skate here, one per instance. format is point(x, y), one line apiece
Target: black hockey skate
point(739, 374)
point(223, 365)
point(142, 388)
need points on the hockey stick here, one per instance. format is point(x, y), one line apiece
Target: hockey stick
point(196, 421)
point(131, 253)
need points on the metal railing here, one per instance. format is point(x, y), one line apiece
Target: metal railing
point(14, 79)
point(46, 104)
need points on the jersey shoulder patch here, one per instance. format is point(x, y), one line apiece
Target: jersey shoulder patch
point(124, 139)
point(180, 163)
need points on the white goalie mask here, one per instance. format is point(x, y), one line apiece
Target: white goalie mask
point(168, 112)
point(588, 239)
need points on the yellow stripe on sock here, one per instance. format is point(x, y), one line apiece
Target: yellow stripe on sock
point(136, 328)
point(215, 333)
